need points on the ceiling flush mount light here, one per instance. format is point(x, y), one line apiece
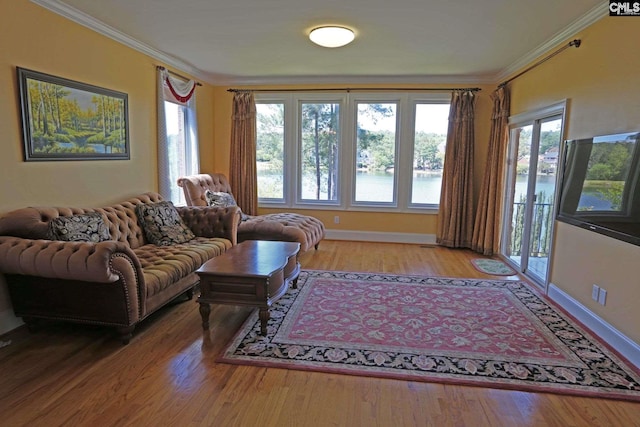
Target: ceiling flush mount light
point(331, 36)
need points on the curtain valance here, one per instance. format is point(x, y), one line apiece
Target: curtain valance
point(177, 90)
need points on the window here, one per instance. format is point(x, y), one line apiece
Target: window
point(361, 151)
point(177, 134)
point(375, 152)
point(319, 144)
point(429, 140)
point(183, 155)
point(270, 151)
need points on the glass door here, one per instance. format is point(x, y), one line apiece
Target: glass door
point(531, 195)
point(519, 186)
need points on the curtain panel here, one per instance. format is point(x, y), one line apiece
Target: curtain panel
point(455, 215)
point(242, 165)
point(177, 151)
point(486, 229)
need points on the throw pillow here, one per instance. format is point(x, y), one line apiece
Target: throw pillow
point(221, 199)
point(162, 224)
point(89, 227)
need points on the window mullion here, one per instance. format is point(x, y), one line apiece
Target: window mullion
point(291, 159)
point(347, 152)
point(404, 162)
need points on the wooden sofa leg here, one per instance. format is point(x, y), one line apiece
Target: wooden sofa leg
point(316, 246)
point(125, 333)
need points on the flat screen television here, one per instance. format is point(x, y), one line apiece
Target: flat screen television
point(601, 185)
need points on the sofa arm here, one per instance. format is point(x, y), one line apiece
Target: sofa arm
point(207, 221)
point(103, 262)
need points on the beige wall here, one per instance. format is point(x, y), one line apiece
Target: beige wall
point(601, 81)
point(34, 38)
point(417, 223)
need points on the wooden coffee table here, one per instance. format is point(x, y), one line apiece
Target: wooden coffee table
point(254, 273)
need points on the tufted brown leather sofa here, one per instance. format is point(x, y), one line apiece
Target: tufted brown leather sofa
point(113, 283)
point(286, 227)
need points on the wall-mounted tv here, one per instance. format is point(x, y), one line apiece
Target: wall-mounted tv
point(601, 185)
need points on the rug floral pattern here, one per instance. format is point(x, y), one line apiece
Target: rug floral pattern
point(490, 333)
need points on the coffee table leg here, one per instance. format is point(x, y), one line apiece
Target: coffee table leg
point(264, 317)
point(205, 310)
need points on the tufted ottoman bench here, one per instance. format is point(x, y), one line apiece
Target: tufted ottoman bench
point(285, 227)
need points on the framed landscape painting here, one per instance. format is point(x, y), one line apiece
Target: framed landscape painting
point(68, 120)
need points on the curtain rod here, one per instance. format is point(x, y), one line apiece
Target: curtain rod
point(576, 43)
point(160, 67)
point(368, 89)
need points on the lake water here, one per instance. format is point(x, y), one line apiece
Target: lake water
point(544, 183)
point(378, 186)
point(370, 187)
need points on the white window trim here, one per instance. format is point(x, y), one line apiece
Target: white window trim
point(405, 133)
point(294, 146)
point(167, 177)
point(366, 98)
point(407, 188)
point(282, 99)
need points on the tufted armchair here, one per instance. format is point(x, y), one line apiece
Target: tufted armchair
point(287, 227)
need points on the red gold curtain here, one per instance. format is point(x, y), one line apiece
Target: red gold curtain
point(242, 168)
point(455, 216)
point(486, 230)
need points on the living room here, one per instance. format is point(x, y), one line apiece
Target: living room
point(599, 80)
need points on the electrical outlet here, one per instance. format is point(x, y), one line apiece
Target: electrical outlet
point(336, 219)
point(595, 292)
point(602, 296)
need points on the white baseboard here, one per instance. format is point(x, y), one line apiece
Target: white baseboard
point(8, 321)
point(369, 236)
point(616, 339)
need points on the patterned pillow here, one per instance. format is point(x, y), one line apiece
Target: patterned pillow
point(162, 224)
point(221, 199)
point(89, 227)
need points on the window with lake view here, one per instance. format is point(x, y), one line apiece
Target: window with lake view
point(270, 150)
point(370, 151)
point(376, 152)
point(430, 138)
point(319, 145)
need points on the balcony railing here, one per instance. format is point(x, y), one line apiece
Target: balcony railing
point(540, 239)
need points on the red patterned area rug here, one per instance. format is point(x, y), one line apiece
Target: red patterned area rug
point(489, 333)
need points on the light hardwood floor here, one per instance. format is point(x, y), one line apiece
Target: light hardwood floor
point(167, 376)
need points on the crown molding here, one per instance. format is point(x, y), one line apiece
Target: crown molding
point(90, 22)
point(354, 79)
point(595, 14)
